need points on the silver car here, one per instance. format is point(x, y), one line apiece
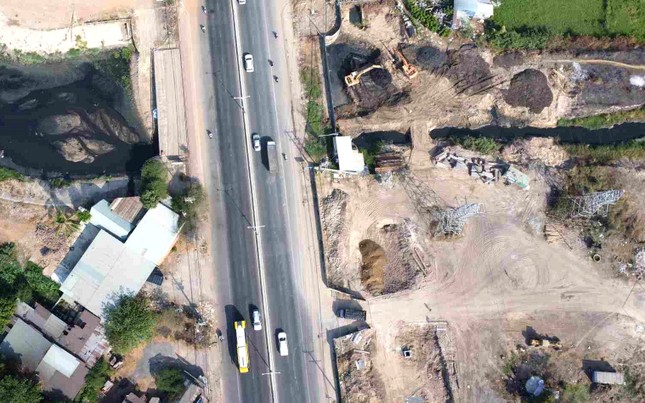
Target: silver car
point(248, 63)
point(283, 348)
point(257, 320)
point(256, 142)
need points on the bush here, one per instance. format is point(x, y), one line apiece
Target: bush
point(523, 38)
point(425, 18)
point(7, 174)
point(94, 381)
point(575, 393)
point(170, 381)
point(482, 145)
point(188, 205)
point(128, 323)
point(154, 186)
point(46, 291)
point(83, 216)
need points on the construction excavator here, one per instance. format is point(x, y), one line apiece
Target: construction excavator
point(354, 78)
point(408, 69)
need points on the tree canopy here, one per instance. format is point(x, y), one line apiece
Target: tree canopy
point(154, 186)
point(170, 381)
point(19, 390)
point(94, 381)
point(129, 322)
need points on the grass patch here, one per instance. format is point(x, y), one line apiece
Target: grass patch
point(528, 24)
point(482, 145)
point(8, 174)
point(112, 62)
point(315, 145)
point(605, 120)
point(604, 154)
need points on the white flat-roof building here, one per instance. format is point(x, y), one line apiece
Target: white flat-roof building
point(350, 159)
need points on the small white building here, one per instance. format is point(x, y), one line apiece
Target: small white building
point(350, 159)
point(466, 10)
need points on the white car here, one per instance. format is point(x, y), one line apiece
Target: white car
point(283, 348)
point(241, 1)
point(256, 142)
point(248, 63)
point(257, 320)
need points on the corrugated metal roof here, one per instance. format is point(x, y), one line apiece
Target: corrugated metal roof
point(103, 217)
point(155, 235)
point(61, 360)
point(26, 343)
point(106, 269)
point(608, 378)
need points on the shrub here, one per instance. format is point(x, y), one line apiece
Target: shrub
point(154, 187)
point(7, 174)
point(129, 322)
point(94, 381)
point(482, 145)
point(522, 38)
point(170, 381)
point(575, 393)
point(188, 205)
point(425, 18)
point(83, 216)
point(45, 290)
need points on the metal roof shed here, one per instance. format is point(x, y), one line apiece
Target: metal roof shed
point(27, 343)
point(103, 217)
point(155, 235)
point(107, 268)
point(608, 378)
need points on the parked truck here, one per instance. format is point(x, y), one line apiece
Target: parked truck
point(272, 156)
point(354, 314)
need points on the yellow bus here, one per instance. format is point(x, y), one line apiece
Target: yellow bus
point(242, 347)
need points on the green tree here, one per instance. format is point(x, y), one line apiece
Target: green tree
point(94, 381)
point(170, 381)
point(66, 224)
point(154, 186)
point(7, 308)
point(19, 390)
point(45, 290)
point(128, 323)
point(188, 204)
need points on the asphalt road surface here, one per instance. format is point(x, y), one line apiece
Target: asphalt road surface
point(237, 176)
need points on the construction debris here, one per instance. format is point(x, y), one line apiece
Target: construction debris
point(596, 203)
point(452, 221)
point(479, 168)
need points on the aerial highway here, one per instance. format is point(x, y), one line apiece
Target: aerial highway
point(254, 230)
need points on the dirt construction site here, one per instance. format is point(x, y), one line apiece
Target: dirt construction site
point(458, 84)
point(460, 303)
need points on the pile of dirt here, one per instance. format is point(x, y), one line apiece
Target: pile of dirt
point(530, 89)
point(468, 71)
point(523, 151)
point(333, 218)
point(429, 58)
point(374, 262)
